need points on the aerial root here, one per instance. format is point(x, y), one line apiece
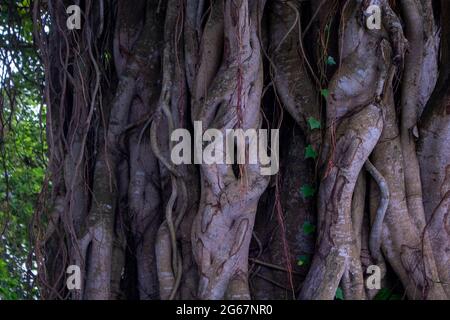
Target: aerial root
point(375, 234)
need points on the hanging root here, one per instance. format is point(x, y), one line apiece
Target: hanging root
point(375, 234)
point(170, 274)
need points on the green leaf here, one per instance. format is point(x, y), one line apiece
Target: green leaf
point(313, 123)
point(310, 153)
point(339, 294)
point(303, 260)
point(324, 93)
point(331, 61)
point(307, 191)
point(308, 228)
point(383, 294)
point(386, 294)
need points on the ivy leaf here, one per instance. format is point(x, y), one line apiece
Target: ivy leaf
point(386, 294)
point(303, 260)
point(331, 61)
point(307, 191)
point(324, 93)
point(383, 294)
point(310, 153)
point(339, 294)
point(308, 228)
point(313, 123)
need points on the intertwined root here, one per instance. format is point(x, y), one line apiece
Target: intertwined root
point(366, 75)
point(223, 227)
point(189, 229)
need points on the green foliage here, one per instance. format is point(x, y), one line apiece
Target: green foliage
point(387, 294)
point(310, 153)
point(303, 260)
point(307, 191)
point(22, 148)
point(308, 228)
point(314, 123)
point(22, 165)
point(331, 61)
point(324, 93)
point(339, 294)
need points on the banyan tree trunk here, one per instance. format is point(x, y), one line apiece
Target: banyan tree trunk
point(363, 125)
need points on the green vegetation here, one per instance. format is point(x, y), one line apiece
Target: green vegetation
point(22, 148)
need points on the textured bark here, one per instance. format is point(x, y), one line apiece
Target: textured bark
point(289, 63)
point(356, 137)
point(223, 227)
point(433, 159)
point(365, 135)
point(352, 279)
point(403, 250)
point(359, 81)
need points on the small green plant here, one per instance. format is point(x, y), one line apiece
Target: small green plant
point(308, 228)
point(314, 123)
point(303, 260)
point(307, 191)
point(310, 153)
point(339, 294)
point(387, 294)
point(331, 61)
